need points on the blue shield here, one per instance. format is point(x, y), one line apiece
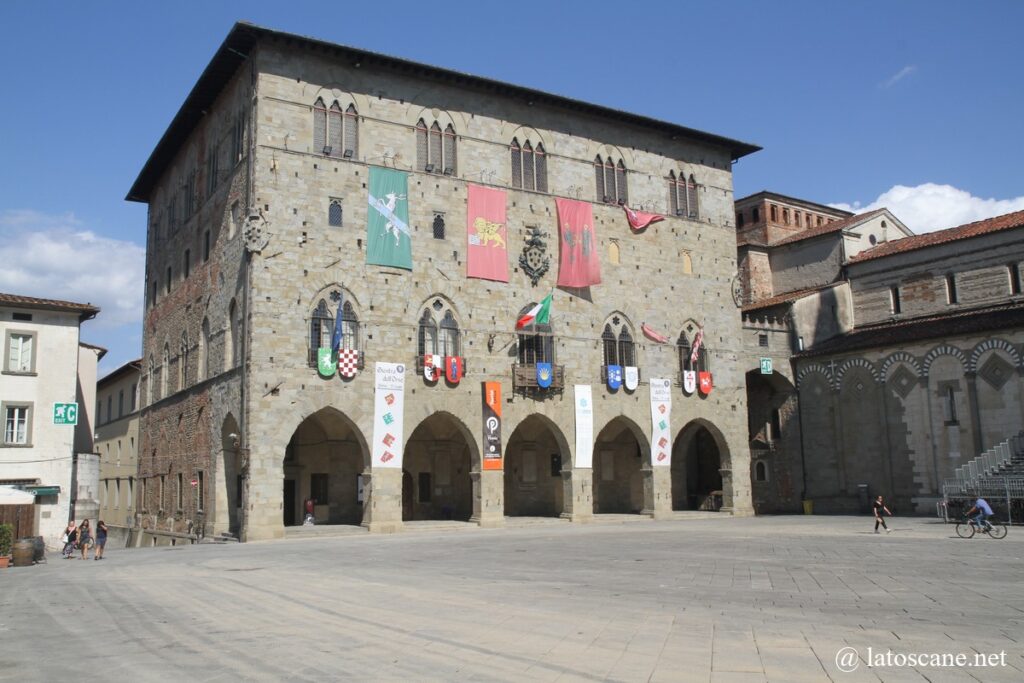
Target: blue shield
point(614, 376)
point(544, 375)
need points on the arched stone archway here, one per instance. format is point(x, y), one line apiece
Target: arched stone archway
point(534, 464)
point(619, 462)
point(324, 461)
point(438, 465)
point(699, 458)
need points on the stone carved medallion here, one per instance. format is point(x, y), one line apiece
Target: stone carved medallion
point(534, 260)
point(257, 232)
point(739, 290)
point(996, 371)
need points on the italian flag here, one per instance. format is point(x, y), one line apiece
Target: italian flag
point(540, 313)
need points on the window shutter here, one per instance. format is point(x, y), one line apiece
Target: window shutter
point(434, 156)
point(620, 182)
point(350, 328)
point(450, 160)
point(319, 126)
point(334, 214)
point(540, 158)
point(599, 178)
point(449, 335)
point(352, 131)
point(528, 177)
point(608, 345)
point(673, 198)
point(334, 130)
point(626, 349)
point(691, 198)
point(427, 337)
point(609, 180)
point(421, 145)
point(517, 163)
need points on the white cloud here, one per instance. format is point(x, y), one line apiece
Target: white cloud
point(900, 75)
point(53, 256)
point(930, 207)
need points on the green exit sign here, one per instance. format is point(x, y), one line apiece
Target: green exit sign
point(766, 366)
point(65, 413)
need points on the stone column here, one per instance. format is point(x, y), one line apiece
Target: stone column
point(577, 486)
point(488, 498)
point(382, 502)
point(261, 496)
point(657, 492)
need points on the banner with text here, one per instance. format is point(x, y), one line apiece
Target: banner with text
point(388, 406)
point(661, 422)
point(492, 426)
point(584, 426)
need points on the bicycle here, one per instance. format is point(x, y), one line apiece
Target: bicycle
point(969, 527)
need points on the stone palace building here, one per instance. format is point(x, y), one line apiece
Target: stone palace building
point(264, 228)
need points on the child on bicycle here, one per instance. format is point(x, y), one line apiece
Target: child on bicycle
point(984, 511)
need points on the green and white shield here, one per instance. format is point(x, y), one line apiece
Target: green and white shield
point(324, 362)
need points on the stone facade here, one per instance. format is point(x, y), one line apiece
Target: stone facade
point(117, 443)
point(236, 278)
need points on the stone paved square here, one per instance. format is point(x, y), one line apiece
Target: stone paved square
point(724, 599)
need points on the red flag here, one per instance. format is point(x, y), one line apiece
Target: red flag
point(486, 231)
point(697, 341)
point(652, 334)
point(638, 220)
point(579, 265)
point(453, 368)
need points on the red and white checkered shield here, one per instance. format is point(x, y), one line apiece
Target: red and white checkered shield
point(348, 362)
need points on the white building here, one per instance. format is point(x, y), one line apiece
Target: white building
point(47, 394)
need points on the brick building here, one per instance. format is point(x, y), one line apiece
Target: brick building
point(896, 357)
point(258, 238)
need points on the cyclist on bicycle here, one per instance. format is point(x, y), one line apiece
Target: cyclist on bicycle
point(984, 511)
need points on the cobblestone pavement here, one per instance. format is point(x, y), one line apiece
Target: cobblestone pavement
point(770, 598)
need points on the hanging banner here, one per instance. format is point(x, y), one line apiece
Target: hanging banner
point(584, 426)
point(388, 239)
point(453, 368)
point(614, 377)
point(689, 381)
point(487, 254)
point(638, 220)
point(492, 426)
point(578, 265)
point(348, 362)
point(632, 377)
point(432, 367)
point(544, 375)
point(388, 406)
point(324, 362)
point(661, 422)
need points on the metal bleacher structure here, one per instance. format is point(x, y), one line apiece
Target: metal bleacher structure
point(997, 475)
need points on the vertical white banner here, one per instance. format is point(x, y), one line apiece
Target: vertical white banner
point(584, 426)
point(661, 422)
point(388, 406)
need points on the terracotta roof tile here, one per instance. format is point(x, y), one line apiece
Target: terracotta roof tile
point(827, 228)
point(18, 301)
point(1004, 222)
point(890, 333)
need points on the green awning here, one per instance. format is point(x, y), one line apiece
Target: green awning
point(43, 490)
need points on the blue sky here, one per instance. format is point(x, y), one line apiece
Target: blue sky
point(913, 105)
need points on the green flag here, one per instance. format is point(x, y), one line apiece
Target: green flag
point(388, 238)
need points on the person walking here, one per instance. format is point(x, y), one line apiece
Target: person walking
point(84, 538)
point(101, 540)
point(69, 538)
point(879, 508)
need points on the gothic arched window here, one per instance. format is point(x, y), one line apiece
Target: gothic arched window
point(436, 149)
point(335, 132)
point(426, 335)
point(610, 179)
point(529, 166)
point(321, 328)
point(449, 338)
point(617, 343)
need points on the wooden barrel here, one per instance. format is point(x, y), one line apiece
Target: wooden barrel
point(24, 552)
